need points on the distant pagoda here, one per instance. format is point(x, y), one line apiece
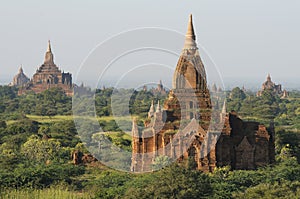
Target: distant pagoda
point(47, 76)
point(20, 79)
point(269, 85)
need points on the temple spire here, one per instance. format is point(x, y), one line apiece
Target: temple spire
point(20, 69)
point(190, 38)
point(269, 77)
point(49, 55)
point(49, 46)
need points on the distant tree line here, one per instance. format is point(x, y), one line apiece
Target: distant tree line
point(266, 108)
point(54, 102)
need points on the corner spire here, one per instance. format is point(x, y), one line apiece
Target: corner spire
point(158, 108)
point(151, 110)
point(224, 108)
point(190, 37)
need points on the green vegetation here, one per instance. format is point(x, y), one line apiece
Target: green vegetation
point(38, 137)
point(268, 107)
point(49, 193)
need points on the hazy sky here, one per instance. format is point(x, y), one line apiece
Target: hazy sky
point(246, 39)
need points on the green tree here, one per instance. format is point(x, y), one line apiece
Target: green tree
point(172, 182)
point(41, 150)
point(161, 162)
point(238, 94)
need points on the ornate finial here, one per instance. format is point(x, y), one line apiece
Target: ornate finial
point(269, 77)
point(49, 46)
point(190, 31)
point(190, 38)
point(21, 69)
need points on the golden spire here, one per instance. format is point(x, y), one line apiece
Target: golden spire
point(190, 32)
point(190, 38)
point(49, 46)
point(49, 55)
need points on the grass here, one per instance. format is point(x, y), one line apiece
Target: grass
point(47, 119)
point(114, 135)
point(49, 193)
point(58, 118)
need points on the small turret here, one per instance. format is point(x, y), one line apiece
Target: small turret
point(158, 108)
point(135, 130)
point(214, 88)
point(285, 94)
point(224, 108)
point(160, 86)
point(151, 110)
point(223, 113)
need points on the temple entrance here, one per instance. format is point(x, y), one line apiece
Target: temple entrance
point(193, 158)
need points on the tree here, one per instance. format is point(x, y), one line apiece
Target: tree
point(172, 182)
point(277, 190)
point(41, 150)
point(161, 162)
point(3, 124)
point(100, 139)
point(237, 93)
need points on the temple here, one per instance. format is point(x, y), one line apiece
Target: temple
point(180, 129)
point(47, 76)
point(20, 79)
point(276, 89)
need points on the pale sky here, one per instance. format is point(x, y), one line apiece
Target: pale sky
point(246, 39)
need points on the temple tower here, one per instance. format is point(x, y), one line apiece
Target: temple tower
point(48, 75)
point(20, 79)
point(185, 116)
point(190, 84)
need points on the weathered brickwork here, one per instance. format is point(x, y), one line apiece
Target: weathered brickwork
point(180, 129)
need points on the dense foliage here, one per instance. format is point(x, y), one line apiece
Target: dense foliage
point(266, 108)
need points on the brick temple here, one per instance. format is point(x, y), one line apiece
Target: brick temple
point(275, 89)
point(47, 76)
point(181, 128)
point(20, 79)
